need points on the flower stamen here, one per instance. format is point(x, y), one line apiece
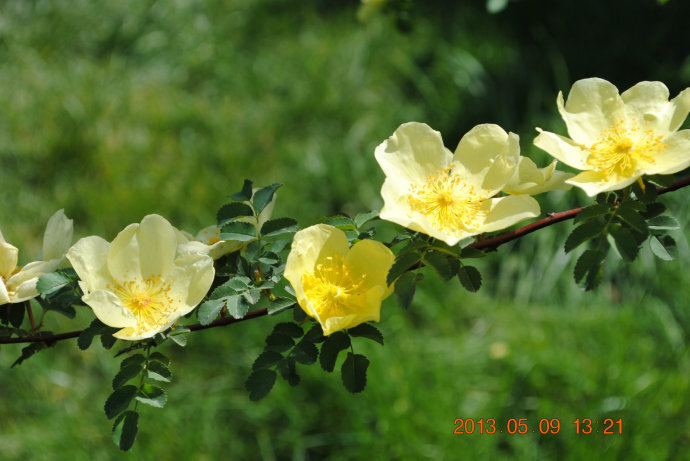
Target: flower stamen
point(332, 288)
point(148, 299)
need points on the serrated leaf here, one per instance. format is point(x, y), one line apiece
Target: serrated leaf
point(592, 211)
point(230, 212)
point(279, 342)
point(470, 278)
point(263, 196)
point(125, 374)
point(119, 400)
point(648, 195)
point(366, 330)
point(237, 306)
point(260, 383)
point(30, 350)
point(86, 338)
point(245, 194)
point(288, 371)
point(266, 360)
point(363, 218)
point(341, 222)
point(135, 359)
point(305, 352)
point(315, 334)
point(401, 265)
point(238, 231)
point(180, 340)
point(289, 328)
point(16, 313)
point(581, 234)
point(663, 247)
point(625, 242)
point(405, 287)
point(589, 260)
point(330, 349)
point(278, 226)
point(663, 223)
point(50, 284)
point(159, 372)
point(209, 310)
point(152, 395)
point(108, 340)
point(632, 218)
point(471, 252)
point(354, 372)
point(279, 305)
point(661, 180)
point(125, 430)
point(654, 209)
point(440, 264)
point(252, 296)
point(299, 315)
point(158, 357)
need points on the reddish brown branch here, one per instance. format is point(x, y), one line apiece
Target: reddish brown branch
point(490, 244)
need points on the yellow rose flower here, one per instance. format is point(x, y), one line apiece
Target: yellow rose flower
point(452, 196)
point(615, 139)
point(18, 284)
point(140, 282)
point(338, 286)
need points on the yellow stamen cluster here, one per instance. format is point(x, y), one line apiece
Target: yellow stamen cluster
point(449, 203)
point(148, 299)
point(620, 150)
point(332, 289)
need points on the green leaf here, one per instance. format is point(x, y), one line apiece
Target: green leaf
point(263, 196)
point(341, 222)
point(16, 312)
point(363, 218)
point(237, 306)
point(591, 212)
point(470, 278)
point(654, 209)
point(581, 234)
point(49, 284)
point(401, 264)
point(30, 350)
point(136, 359)
point(158, 357)
point(664, 223)
point(289, 328)
point(440, 264)
point(471, 252)
point(209, 310)
point(125, 374)
point(315, 334)
point(180, 339)
point(119, 400)
point(279, 342)
point(331, 347)
point(632, 218)
point(405, 287)
point(152, 395)
point(125, 430)
point(354, 372)
point(158, 371)
point(278, 226)
point(238, 231)
point(288, 371)
point(278, 305)
point(648, 195)
point(266, 360)
point(245, 194)
point(108, 340)
point(589, 260)
point(305, 352)
point(366, 330)
point(299, 315)
point(260, 383)
point(230, 212)
point(663, 247)
point(252, 296)
point(625, 242)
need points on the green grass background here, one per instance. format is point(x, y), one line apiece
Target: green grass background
point(116, 110)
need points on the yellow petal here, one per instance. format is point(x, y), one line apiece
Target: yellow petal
point(8, 257)
point(563, 149)
point(593, 182)
point(506, 211)
point(109, 310)
point(529, 179)
point(674, 157)
point(157, 246)
point(58, 236)
point(89, 259)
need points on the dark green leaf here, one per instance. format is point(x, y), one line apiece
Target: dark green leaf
point(581, 234)
point(405, 287)
point(30, 350)
point(230, 212)
point(306, 352)
point(288, 371)
point(363, 218)
point(654, 209)
point(588, 261)
point(16, 312)
point(299, 315)
point(158, 357)
point(237, 306)
point(278, 305)
point(341, 222)
point(266, 360)
point(663, 247)
point(440, 264)
point(158, 371)
point(238, 231)
point(108, 340)
point(315, 334)
point(354, 372)
point(289, 328)
point(648, 194)
point(152, 395)
point(49, 284)
point(330, 349)
point(125, 374)
point(278, 226)
point(136, 359)
point(625, 242)
point(366, 330)
point(471, 252)
point(252, 296)
point(402, 264)
point(470, 278)
point(209, 310)
point(263, 196)
point(260, 383)
point(125, 430)
point(592, 211)
point(661, 180)
point(245, 194)
point(119, 400)
point(664, 223)
point(279, 342)
point(632, 218)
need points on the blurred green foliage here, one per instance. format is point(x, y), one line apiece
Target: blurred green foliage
point(120, 109)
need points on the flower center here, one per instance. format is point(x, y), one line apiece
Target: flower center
point(620, 150)
point(148, 299)
point(332, 289)
point(449, 203)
